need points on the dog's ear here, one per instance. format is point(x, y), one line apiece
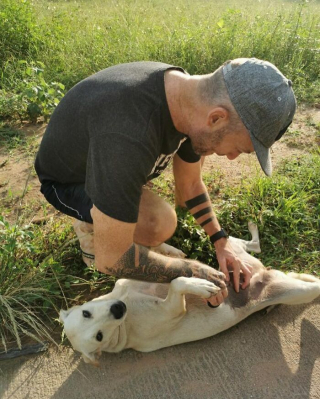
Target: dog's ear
point(64, 314)
point(92, 358)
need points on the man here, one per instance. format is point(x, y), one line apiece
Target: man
point(118, 129)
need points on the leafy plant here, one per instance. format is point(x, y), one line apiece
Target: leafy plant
point(26, 289)
point(286, 209)
point(19, 31)
point(36, 98)
point(10, 105)
point(40, 97)
point(41, 271)
point(74, 40)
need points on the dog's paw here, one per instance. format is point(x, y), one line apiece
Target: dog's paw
point(252, 226)
point(195, 286)
point(168, 250)
point(202, 288)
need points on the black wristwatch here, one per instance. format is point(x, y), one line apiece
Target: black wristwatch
point(216, 236)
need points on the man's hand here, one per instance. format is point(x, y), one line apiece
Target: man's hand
point(216, 277)
point(229, 261)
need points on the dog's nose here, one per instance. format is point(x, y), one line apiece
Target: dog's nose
point(118, 309)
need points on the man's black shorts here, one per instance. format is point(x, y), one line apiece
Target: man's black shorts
point(70, 199)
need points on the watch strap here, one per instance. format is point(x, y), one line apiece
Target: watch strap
point(216, 236)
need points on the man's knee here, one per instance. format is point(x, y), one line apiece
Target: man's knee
point(164, 225)
point(157, 227)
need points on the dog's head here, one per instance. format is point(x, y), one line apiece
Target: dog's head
point(94, 326)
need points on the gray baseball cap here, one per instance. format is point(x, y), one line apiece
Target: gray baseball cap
point(264, 100)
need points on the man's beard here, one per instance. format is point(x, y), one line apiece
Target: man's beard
point(204, 143)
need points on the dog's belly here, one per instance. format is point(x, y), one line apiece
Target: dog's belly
point(251, 295)
point(199, 322)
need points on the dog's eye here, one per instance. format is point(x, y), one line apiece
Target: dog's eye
point(99, 336)
point(86, 313)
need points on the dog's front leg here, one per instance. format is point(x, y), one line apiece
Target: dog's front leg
point(175, 301)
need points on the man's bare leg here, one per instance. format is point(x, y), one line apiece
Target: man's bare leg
point(157, 222)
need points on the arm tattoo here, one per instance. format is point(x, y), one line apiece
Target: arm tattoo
point(198, 207)
point(139, 263)
point(206, 221)
point(200, 199)
point(202, 212)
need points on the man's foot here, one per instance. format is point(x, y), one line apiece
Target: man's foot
point(84, 232)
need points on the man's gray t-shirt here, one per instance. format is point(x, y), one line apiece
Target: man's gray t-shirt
point(113, 131)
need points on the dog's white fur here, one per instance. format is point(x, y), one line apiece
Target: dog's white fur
point(161, 315)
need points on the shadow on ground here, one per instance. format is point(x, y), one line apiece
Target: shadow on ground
point(266, 356)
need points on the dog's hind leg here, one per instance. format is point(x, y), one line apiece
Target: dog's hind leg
point(248, 246)
point(292, 289)
point(253, 228)
point(304, 277)
point(254, 244)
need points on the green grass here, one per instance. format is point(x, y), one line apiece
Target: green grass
point(27, 288)
point(46, 47)
point(42, 270)
point(67, 41)
point(11, 138)
point(286, 209)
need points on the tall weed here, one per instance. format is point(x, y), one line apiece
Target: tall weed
point(75, 39)
point(20, 35)
point(27, 290)
point(41, 271)
point(286, 209)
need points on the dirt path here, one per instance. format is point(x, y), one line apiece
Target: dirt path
point(274, 356)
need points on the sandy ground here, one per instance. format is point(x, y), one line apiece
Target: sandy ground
point(274, 356)
point(266, 356)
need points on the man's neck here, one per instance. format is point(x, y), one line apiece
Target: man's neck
point(176, 83)
point(181, 92)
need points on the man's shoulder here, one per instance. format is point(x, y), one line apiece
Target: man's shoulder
point(132, 71)
point(140, 66)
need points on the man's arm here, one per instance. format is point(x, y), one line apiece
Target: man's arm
point(192, 193)
point(117, 255)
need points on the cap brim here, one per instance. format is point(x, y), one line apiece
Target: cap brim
point(263, 155)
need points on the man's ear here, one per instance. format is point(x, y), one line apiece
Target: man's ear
point(218, 115)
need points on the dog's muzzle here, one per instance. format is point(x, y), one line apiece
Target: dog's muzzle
point(118, 309)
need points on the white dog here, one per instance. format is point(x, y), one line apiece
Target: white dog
point(149, 316)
